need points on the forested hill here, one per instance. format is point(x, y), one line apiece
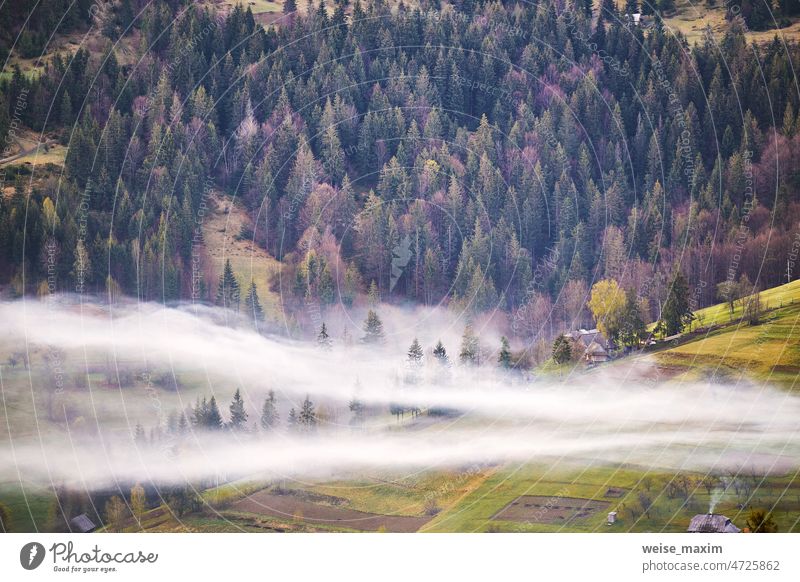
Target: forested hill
point(483, 154)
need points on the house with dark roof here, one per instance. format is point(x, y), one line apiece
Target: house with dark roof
point(711, 523)
point(589, 345)
point(81, 524)
point(595, 354)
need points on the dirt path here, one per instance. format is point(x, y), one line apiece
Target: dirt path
point(291, 507)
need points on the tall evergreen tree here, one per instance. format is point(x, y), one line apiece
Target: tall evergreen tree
point(470, 348)
point(228, 289)
point(307, 419)
point(269, 412)
point(415, 354)
point(677, 312)
point(323, 338)
point(238, 420)
point(504, 358)
point(253, 305)
point(373, 329)
point(213, 417)
point(562, 350)
point(440, 353)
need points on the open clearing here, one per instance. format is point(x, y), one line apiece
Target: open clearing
point(768, 351)
point(222, 230)
point(539, 509)
point(298, 508)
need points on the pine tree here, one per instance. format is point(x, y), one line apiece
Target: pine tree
point(228, 288)
point(253, 305)
point(269, 413)
point(183, 423)
point(440, 353)
point(562, 350)
point(632, 328)
point(213, 418)
point(292, 420)
point(373, 295)
point(470, 347)
point(504, 359)
point(677, 312)
point(307, 419)
point(373, 329)
point(238, 420)
point(415, 354)
point(323, 339)
point(200, 412)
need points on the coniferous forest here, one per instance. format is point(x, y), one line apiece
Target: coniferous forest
point(514, 152)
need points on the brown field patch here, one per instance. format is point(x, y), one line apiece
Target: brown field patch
point(544, 509)
point(297, 507)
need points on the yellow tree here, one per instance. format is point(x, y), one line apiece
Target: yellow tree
point(138, 502)
point(607, 304)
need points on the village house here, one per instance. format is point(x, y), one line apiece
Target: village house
point(82, 524)
point(589, 345)
point(711, 523)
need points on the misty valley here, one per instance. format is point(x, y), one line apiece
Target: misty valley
point(186, 418)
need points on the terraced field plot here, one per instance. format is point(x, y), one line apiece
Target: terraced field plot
point(299, 508)
point(541, 509)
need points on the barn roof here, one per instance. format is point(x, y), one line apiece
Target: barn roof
point(711, 523)
point(595, 349)
point(82, 524)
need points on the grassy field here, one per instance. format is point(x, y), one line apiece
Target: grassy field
point(222, 228)
point(769, 351)
point(28, 505)
point(692, 18)
point(670, 511)
point(470, 501)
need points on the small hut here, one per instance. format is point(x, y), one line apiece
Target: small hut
point(711, 523)
point(82, 524)
point(596, 354)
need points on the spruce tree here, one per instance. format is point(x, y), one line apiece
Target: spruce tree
point(269, 413)
point(307, 419)
point(440, 353)
point(183, 424)
point(323, 338)
point(228, 288)
point(373, 329)
point(213, 417)
point(677, 312)
point(470, 348)
point(292, 420)
point(253, 305)
point(415, 354)
point(562, 350)
point(504, 359)
point(238, 413)
point(632, 328)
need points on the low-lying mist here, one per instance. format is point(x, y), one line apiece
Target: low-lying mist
point(607, 415)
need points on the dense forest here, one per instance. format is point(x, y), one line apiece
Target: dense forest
point(487, 155)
